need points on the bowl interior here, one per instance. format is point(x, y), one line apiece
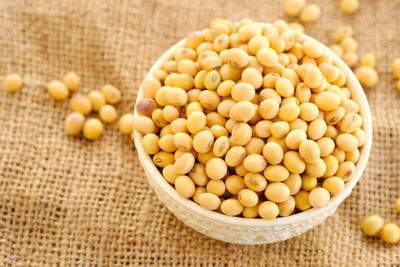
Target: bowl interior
point(358, 96)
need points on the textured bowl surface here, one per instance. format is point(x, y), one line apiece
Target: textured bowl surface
point(254, 231)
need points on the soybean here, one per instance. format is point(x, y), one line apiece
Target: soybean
point(184, 186)
point(108, 114)
point(248, 198)
point(289, 112)
point(310, 13)
point(255, 182)
point(345, 170)
point(277, 192)
point(198, 174)
point(268, 210)
point(235, 156)
point(293, 162)
point(319, 197)
point(92, 129)
point(169, 173)
point(184, 163)
point(241, 133)
point(309, 151)
point(276, 173)
point(111, 94)
point(142, 124)
point(334, 185)
point(150, 143)
point(391, 233)
point(203, 141)
point(57, 90)
point(234, 184)
point(209, 201)
point(367, 76)
point(242, 111)
point(12, 82)
point(293, 182)
point(301, 199)
point(216, 168)
point(372, 225)
point(231, 207)
point(316, 169)
point(254, 163)
point(316, 129)
point(294, 138)
point(196, 122)
point(294, 7)
point(238, 58)
point(74, 122)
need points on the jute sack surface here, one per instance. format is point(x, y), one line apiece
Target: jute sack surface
point(65, 201)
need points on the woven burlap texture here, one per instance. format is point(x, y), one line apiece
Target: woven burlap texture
point(65, 201)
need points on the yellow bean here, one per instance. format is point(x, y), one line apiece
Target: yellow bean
point(293, 183)
point(293, 162)
point(231, 207)
point(276, 173)
point(301, 199)
point(184, 186)
point(234, 183)
point(268, 210)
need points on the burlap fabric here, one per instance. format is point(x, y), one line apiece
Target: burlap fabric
point(68, 202)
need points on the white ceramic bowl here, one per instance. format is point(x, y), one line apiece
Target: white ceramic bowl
point(244, 230)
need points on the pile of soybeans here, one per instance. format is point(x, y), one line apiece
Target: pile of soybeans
point(251, 120)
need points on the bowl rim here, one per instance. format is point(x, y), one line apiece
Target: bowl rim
point(358, 95)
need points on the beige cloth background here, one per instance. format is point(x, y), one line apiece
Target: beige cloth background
point(68, 202)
